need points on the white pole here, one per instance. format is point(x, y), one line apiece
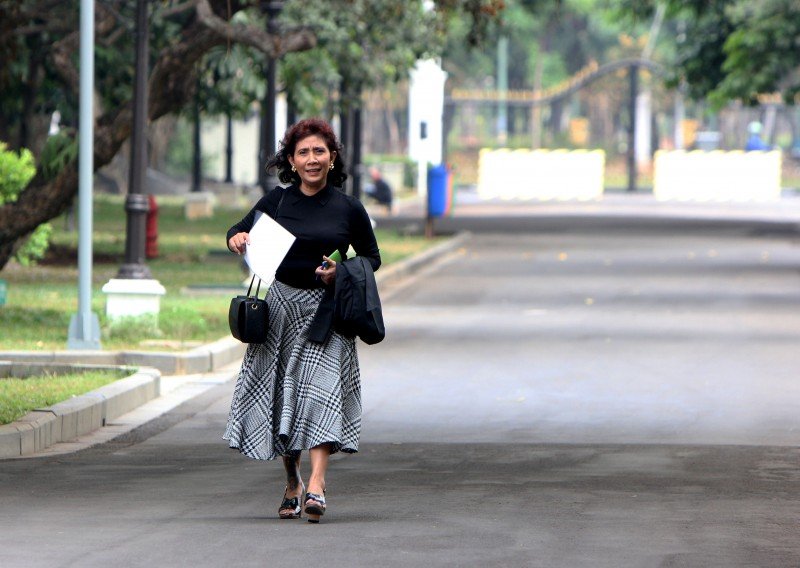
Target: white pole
point(84, 327)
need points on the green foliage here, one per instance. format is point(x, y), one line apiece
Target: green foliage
point(27, 84)
point(361, 44)
point(232, 79)
point(59, 151)
point(761, 50)
point(35, 246)
point(733, 49)
point(311, 80)
point(16, 171)
point(358, 48)
point(116, 71)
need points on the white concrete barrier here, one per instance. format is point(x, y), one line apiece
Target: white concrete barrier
point(717, 175)
point(541, 174)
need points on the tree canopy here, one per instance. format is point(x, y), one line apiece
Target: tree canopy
point(732, 49)
point(362, 41)
point(329, 51)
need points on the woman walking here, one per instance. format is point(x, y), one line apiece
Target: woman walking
point(294, 393)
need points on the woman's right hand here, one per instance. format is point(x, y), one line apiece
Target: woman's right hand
point(238, 242)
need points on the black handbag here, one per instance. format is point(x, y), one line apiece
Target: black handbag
point(248, 316)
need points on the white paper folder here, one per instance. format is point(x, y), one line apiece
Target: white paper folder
point(269, 243)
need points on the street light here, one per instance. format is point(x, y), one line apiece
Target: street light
point(136, 203)
point(134, 292)
point(267, 139)
point(197, 151)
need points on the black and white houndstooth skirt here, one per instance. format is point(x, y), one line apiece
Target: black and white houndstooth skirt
point(293, 394)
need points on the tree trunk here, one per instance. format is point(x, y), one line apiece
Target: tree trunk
point(6, 252)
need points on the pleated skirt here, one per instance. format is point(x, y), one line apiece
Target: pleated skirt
point(293, 394)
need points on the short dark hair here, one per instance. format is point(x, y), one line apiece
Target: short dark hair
point(296, 133)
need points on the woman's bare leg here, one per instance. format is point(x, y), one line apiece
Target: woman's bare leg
point(293, 479)
point(294, 482)
point(319, 467)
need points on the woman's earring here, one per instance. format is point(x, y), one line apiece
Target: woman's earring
point(331, 168)
point(293, 168)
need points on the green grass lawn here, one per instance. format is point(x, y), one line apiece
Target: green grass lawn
point(20, 396)
point(41, 299)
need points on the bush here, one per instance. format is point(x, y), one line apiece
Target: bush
point(59, 151)
point(16, 172)
point(35, 246)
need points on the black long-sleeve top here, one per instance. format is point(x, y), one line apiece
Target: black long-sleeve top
point(321, 223)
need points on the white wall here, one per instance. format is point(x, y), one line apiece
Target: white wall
point(541, 174)
point(245, 143)
point(717, 175)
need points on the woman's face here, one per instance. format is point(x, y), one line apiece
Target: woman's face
point(313, 160)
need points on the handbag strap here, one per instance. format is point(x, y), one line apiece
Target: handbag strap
point(249, 288)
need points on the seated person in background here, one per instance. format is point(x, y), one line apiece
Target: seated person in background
point(754, 141)
point(379, 190)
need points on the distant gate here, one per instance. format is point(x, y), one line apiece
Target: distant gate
point(583, 78)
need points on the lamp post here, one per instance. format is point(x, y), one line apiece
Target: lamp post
point(134, 292)
point(267, 135)
point(136, 203)
point(197, 151)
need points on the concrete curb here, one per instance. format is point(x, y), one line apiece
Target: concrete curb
point(66, 421)
point(202, 359)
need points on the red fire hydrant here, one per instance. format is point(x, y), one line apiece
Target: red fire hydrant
point(151, 247)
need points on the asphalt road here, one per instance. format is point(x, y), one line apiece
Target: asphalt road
point(549, 397)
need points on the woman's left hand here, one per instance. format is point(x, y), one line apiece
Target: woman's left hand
point(327, 272)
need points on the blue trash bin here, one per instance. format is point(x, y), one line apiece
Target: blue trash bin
point(3, 291)
point(438, 191)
